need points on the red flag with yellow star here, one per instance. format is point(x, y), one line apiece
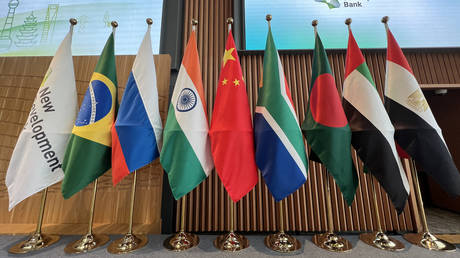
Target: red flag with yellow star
point(232, 139)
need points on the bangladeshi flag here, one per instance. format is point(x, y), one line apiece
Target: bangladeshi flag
point(417, 131)
point(232, 138)
point(326, 127)
point(372, 131)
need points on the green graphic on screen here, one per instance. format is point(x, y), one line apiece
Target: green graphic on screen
point(414, 23)
point(36, 28)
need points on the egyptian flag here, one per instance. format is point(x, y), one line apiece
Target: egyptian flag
point(280, 149)
point(416, 129)
point(326, 126)
point(136, 135)
point(231, 133)
point(372, 131)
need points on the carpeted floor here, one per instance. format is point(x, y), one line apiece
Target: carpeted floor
point(206, 249)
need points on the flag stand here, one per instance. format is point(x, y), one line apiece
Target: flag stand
point(425, 239)
point(280, 241)
point(38, 240)
point(89, 241)
point(329, 240)
point(379, 239)
point(129, 242)
point(182, 240)
point(231, 241)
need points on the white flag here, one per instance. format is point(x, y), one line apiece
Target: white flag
point(38, 154)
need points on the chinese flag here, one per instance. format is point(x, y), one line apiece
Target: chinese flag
point(232, 142)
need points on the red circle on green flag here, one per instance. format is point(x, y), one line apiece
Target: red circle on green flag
point(325, 105)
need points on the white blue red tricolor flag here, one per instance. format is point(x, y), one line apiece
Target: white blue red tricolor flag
point(280, 149)
point(136, 134)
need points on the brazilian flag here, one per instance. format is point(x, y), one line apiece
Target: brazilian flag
point(88, 153)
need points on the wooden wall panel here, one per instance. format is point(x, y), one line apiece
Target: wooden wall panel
point(20, 78)
point(208, 205)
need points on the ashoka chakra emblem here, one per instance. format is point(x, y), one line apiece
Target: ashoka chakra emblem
point(186, 101)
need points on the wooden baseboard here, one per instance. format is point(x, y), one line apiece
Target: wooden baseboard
point(451, 238)
point(79, 229)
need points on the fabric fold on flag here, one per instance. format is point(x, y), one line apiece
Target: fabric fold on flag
point(280, 149)
point(37, 157)
point(417, 131)
point(136, 134)
point(88, 154)
point(372, 130)
point(326, 126)
point(231, 132)
point(186, 152)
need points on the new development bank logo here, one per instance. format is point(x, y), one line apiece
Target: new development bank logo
point(336, 4)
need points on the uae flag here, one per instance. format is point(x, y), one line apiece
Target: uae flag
point(372, 131)
point(232, 136)
point(326, 126)
point(416, 129)
point(186, 153)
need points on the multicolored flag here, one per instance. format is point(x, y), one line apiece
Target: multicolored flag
point(186, 153)
point(416, 129)
point(88, 154)
point(232, 136)
point(280, 149)
point(326, 126)
point(37, 156)
point(372, 131)
point(136, 135)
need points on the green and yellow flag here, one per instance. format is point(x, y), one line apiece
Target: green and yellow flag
point(88, 154)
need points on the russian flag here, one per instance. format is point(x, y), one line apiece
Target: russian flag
point(136, 134)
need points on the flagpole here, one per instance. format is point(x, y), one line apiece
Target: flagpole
point(377, 238)
point(425, 239)
point(89, 241)
point(329, 240)
point(231, 241)
point(129, 242)
point(38, 240)
point(182, 240)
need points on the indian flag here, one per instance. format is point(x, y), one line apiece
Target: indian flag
point(186, 154)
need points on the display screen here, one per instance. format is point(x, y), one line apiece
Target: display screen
point(414, 23)
point(36, 27)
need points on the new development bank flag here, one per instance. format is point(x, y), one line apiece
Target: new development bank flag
point(186, 153)
point(136, 135)
point(88, 153)
point(417, 131)
point(372, 131)
point(280, 150)
point(37, 157)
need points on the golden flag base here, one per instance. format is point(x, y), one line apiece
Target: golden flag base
point(181, 241)
point(332, 242)
point(87, 243)
point(128, 243)
point(35, 242)
point(381, 241)
point(282, 242)
point(231, 242)
point(429, 241)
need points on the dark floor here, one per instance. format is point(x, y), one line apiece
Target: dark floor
point(443, 221)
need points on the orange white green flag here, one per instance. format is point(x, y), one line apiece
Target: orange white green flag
point(186, 153)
